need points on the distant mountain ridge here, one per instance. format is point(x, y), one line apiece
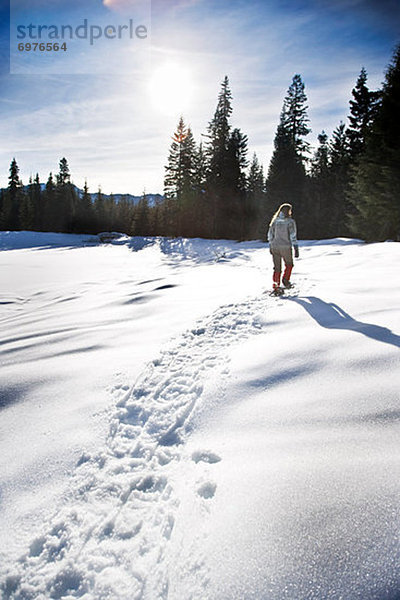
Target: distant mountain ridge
point(152, 199)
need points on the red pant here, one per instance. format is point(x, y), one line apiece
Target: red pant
point(279, 254)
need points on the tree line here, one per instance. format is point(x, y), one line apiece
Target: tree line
point(59, 206)
point(348, 186)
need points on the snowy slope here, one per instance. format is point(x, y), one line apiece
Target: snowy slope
point(169, 431)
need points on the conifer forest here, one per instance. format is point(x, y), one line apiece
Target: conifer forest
point(349, 186)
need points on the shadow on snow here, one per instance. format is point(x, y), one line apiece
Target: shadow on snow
point(331, 316)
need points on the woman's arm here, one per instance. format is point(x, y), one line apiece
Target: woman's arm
point(293, 237)
point(271, 233)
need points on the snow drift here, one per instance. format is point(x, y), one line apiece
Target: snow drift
point(168, 430)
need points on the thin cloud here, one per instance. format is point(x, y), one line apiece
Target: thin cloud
point(121, 4)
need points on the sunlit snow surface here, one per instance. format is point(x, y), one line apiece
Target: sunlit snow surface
point(170, 431)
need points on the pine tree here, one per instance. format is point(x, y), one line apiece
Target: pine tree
point(235, 200)
point(255, 200)
point(66, 200)
point(286, 175)
point(294, 116)
point(339, 147)
point(180, 169)
point(255, 183)
point(201, 218)
point(110, 211)
point(375, 186)
point(124, 215)
point(286, 181)
point(142, 216)
point(156, 226)
point(27, 208)
point(362, 112)
point(219, 135)
point(199, 170)
point(218, 158)
point(64, 175)
point(84, 218)
point(339, 160)
point(188, 196)
point(13, 198)
point(320, 191)
point(174, 171)
point(320, 162)
point(328, 184)
point(238, 162)
point(86, 196)
point(38, 204)
point(100, 212)
point(180, 180)
point(50, 205)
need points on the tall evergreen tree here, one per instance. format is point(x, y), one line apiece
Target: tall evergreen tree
point(64, 175)
point(339, 161)
point(66, 200)
point(142, 216)
point(255, 200)
point(320, 162)
point(375, 187)
point(199, 170)
point(155, 218)
point(174, 171)
point(219, 130)
point(27, 208)
point(294, 116)
point(86, 196)
point(13, 198)
point(38, 204)
point(255, 183)
point(218, 155)
point(50, 205)
point(339, 147)
point(286, 181)
point(124, 215)
point(320, 192)
point(179, 174)
point(238, 162)
point(200, 214)
point(180, 180)
point(109, 205)
point(286, 176)
point(84, 216)
point(363, 109)
point(235, 200)
point(100, 212)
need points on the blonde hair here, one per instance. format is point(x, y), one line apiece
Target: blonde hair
point(286, 209)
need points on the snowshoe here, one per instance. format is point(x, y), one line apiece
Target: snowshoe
point(278, 291)
point(287, 284)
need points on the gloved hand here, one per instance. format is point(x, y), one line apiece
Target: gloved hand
point(270, 249)
point(296, 251)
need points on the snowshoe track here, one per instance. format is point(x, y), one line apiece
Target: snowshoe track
point(110, 536)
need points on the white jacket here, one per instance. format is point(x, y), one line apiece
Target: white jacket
point(283, 232)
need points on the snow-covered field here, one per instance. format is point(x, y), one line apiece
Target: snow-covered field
point(169, 431)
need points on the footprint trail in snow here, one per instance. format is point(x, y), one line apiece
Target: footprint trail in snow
point(110, 537)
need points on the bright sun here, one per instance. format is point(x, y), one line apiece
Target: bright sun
point(171, 88)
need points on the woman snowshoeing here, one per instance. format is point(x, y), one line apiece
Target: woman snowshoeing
point(282, 237)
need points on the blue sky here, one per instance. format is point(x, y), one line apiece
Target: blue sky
point(112, 115)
